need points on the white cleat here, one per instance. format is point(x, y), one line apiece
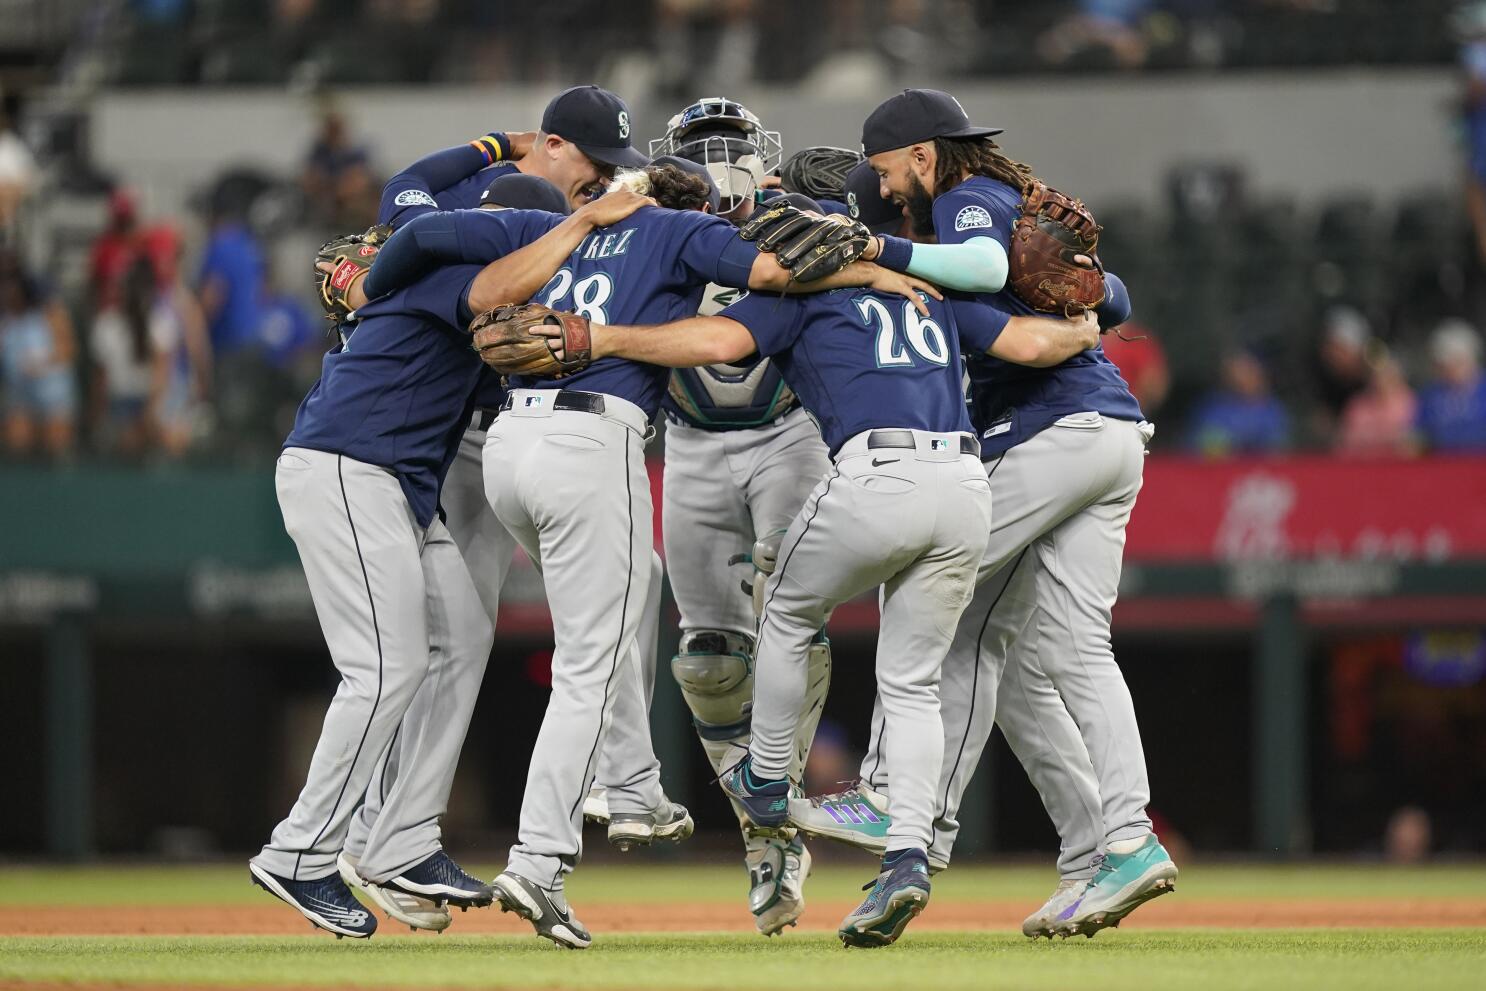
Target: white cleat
point(1040, 922)
point(596, 806)
point(413, 911)
point(777, 874)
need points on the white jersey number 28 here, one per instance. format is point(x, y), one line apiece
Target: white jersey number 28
point(921, 335)
point(589, 294)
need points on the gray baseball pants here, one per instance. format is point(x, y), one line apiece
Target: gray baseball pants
point(572, 488)
point(403, 621)
point(1032, 652)
point(914, 521)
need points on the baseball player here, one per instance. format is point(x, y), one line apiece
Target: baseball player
point(1064, 448)
point(584, 136)
point(564, 469)
point(903, 508)
point(358, 483)
point(741, 457)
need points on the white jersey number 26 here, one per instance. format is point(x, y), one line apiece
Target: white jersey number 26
point(922, 336)
point(589, 294)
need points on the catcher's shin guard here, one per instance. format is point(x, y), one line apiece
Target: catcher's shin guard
point(714, 669)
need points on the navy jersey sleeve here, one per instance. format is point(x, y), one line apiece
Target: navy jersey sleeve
point(411, 192)
point(708, 249)
point(978, 322)
point(442, 296)
point(774, 321)
point(448, 238)
point(971, 209)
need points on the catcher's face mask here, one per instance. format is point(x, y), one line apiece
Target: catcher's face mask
point(727, 139)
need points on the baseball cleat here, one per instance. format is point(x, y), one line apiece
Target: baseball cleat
point(547, 911)
point(1040, 922)
point(1122, 883)
point(900, 892)
point(857, 816)
point(413, 911)
point(669, 822)
point(765, 802)
point(325, 901)
point(776, 875)
point(596, 806)
point(439, 878)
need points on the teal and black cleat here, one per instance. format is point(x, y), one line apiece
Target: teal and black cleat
point(764, 801)
point(1122, 883)
point(900, 892)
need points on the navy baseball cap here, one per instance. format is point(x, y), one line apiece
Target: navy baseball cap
point(595, 120)
point(524, 192)
point(916, 115)
point(714, 198)
point(864, 201)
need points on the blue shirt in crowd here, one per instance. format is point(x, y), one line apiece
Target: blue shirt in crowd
point(235, 262)
point(1453, 418)
point(1229, 424)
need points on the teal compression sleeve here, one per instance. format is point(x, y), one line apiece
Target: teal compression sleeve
point(978, 265)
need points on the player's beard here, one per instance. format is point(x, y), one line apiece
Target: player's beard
point(920, 207)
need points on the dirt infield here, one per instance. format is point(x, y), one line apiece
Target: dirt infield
point(271, 919)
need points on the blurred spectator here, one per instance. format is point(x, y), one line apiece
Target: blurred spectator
point(1379, 420)
point(1408, 836)
point(1142, 363)
point(1452, 409)
point(37, 349)
point(286, 330)
point(146, 364)
point(17, 169)
point(1470, 27)
point(337, 179)
point(1243, 417)
point(1341, 364)
point(231, 279)
point(113, 250)
point(1112, 25)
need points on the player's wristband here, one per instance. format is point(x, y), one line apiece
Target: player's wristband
point(495, 146)
point(896, 253)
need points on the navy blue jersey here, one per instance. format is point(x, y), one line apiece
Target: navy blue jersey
point(398, 393)
point(649, 268)
point(1011, 403)
point(860, 360)
point(412, 198)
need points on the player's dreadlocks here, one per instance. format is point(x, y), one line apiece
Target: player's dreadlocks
point(671, 187)
point(958, 157)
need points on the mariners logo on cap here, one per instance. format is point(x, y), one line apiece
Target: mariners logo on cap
point(624, 123)
point(851, 205)
point(972, 216)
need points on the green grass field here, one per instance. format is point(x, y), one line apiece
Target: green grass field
point(1205, 959)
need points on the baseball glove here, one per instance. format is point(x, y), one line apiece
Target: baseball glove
point(1051, 231)
point(351, 255)
point(811, 247)
point(506, 342)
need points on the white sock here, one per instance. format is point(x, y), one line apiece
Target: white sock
point(1127, 846)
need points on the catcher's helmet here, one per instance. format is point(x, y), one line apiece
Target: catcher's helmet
point(728, 140)
point(819, 172)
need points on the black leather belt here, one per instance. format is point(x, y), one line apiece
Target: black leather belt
point(486, 417)
point(904, 438)
point(569, 401)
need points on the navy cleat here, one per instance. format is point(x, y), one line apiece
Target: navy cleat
point(439, 879)
point(325, 901)
point(900, 892)
point(764, 801)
